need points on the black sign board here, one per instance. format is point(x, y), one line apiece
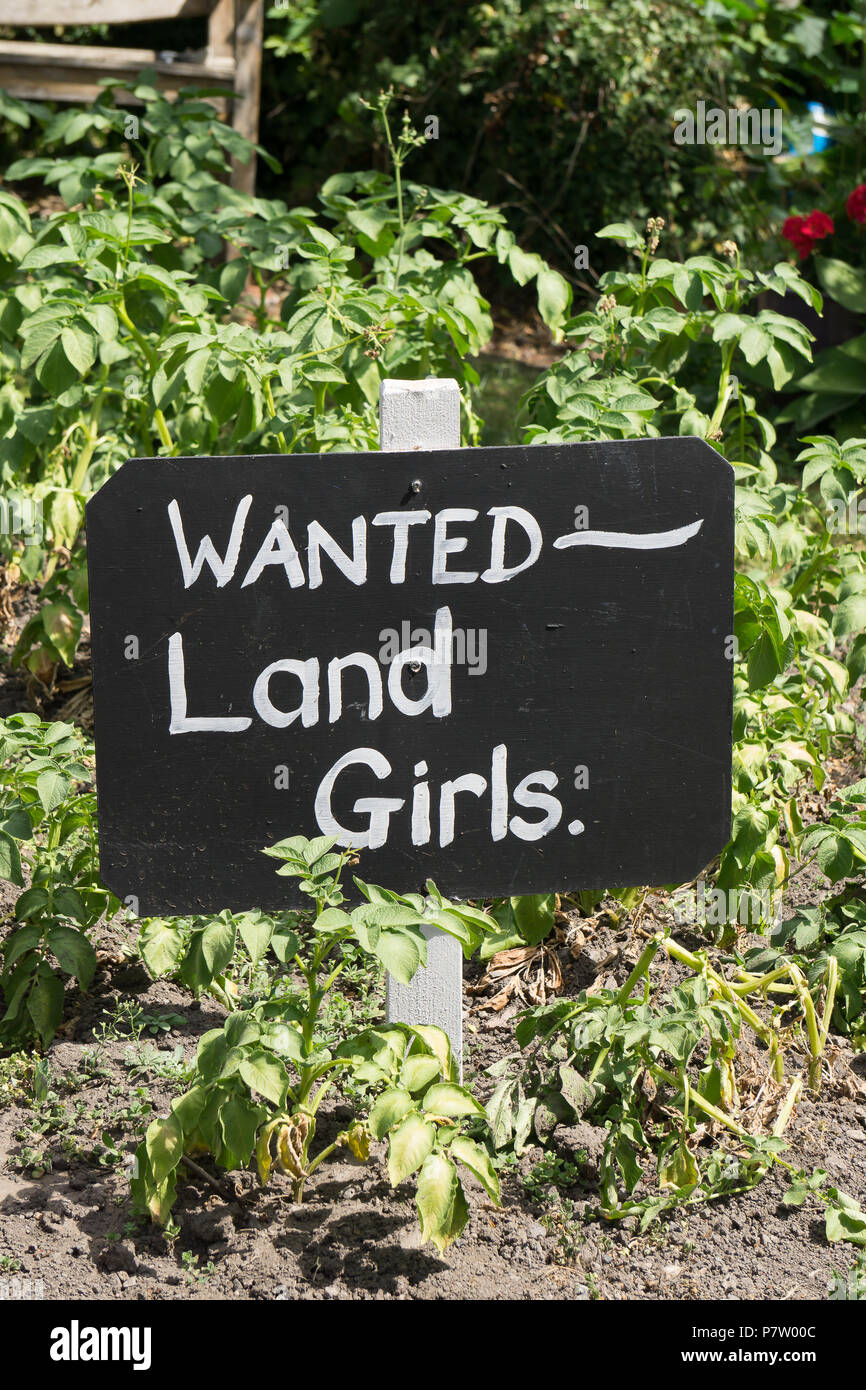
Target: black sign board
point(508, 669)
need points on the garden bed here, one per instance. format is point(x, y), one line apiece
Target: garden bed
point(66, 1219)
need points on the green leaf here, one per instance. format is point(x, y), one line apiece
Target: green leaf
point(211, 1054)
point(327, 372)
point(418, 1072)
point(846, 1222)
point(189, 1106)
point(217, 945)
point(451, 1100)
point(52, 787)
point(749, 833)
point(38, 257)
point(240, 1119)
point(332, 919)
point(391, 1106)
point(523, 265)
point(45, 1006)
point(409, 1144)
point(161, 944)
point(163, 1143)
point(436, 1040)
point(255, 932)
point(624, 232)
point(754, 344)
point(843, 283)
point(80, 348)
point(284, 1039)
point(285, 945)
point(679, 1169)
point(437, 1190)
point(399, 953)
point(68, 902)
point(554, 298)
point(17, 823)
point(10, 859)
point(850, 615)
point(835, 857)
point(30, 903)
point(263, 1073)
point(476, 1158)
point(533, 916)
point(62, 625)
point(74, 952)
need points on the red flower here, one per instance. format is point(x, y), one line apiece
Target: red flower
point(856, 204)
point(803, 232)
point(818, 225)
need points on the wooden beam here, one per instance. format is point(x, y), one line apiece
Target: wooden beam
point(70, 73)
point(424, 415)
point(77, 58)
point(48, 13)
point(250, 15)
point(221, 31)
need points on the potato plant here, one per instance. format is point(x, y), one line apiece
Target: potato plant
point(673, 348)
point(657, 1075)
point(124, 331)
point(260, 1080)
point(48, 850)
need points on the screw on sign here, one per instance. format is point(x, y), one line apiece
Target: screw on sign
point(256, 700)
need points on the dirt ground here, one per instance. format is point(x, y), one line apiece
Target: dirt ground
point(65, 1215)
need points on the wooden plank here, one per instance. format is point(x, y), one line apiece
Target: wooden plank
point(48, 13)
point(248, 86)
point(26, 75)
point(85, 93)
point(64, 59)
point(416, 416)
point(221, 31)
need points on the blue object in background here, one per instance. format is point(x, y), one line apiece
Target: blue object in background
point(821, 118)
point(821, 122)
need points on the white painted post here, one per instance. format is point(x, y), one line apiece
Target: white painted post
point(420, 416)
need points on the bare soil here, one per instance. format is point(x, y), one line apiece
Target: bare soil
point(65, 1216)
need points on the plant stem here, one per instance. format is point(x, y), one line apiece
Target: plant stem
point(641, 968)
point(788, 1108)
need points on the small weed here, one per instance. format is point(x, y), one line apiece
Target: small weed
point(552, 1173)
point(194, 1275)
point(16, 1077)
point(130, 1020)
point(146, 1060)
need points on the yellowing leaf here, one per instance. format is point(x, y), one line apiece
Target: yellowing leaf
point(451, 1100)
point(410, 1142)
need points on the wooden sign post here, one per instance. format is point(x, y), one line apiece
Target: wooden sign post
point(422, 416)
point(505, 669)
